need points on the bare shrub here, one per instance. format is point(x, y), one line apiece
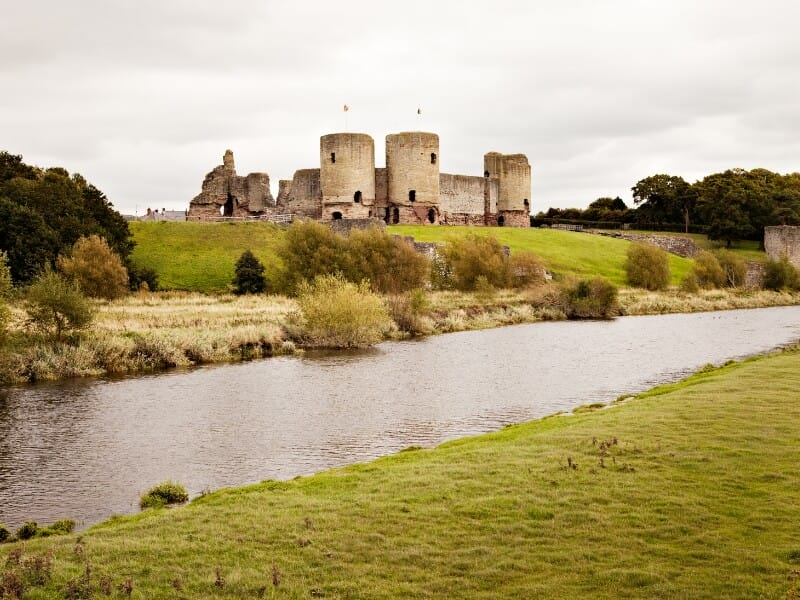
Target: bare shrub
point(409, 312)
point(525, 269)
point(336, 313)
point(647, 267)
point(96, 267)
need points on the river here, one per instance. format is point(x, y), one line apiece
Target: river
point(87, 449)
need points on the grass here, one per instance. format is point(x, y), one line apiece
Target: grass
point(563, 252)
point(687, 491)
point(201, 256)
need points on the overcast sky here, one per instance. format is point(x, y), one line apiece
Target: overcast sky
point(143, 97)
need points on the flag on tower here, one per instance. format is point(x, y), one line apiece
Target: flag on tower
point(346, 108)
point(419, 111)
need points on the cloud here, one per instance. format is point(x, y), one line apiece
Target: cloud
point(143, 98)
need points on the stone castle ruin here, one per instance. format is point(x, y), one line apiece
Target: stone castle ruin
point(783, 240)
point(347, 185)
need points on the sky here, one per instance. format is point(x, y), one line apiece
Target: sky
point(143, 98)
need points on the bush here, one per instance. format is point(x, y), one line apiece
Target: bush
point(96, 267)
point(389, 263)
point(707, 271)
point(5, 533)
point(409, 312)
point(689, 283)
point(781, 275)
point(311, 249)
point(27, 530)
point(733, 267)
point(592, 299)
point(336, 313)
point(166, 492)
point(140, 278)
point(473, 256)
point(56, 306)
point(249, 277)
point(5, 276)
point(647, 267)
point(524, 269)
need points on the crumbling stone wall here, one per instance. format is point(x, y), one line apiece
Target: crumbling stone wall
point(224, 193)
point(682, 246)
point(783, 240)
point(302, 195)
point(345, 226)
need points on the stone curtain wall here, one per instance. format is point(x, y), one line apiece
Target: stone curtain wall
point(783, 240)
point(462, 194)
point(302, 195)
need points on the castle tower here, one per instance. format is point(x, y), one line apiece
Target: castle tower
point(347, 175)
point(513, 173)
point(412, 166)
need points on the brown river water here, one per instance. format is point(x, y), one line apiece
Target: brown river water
point(88, 449)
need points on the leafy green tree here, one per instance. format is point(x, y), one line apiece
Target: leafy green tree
point(664, 199)
point(28, 241)
point(249, 277)
point(96, 268)
point(390, 264)
point(647, 267)
point(311, 249)
point(56, 305)
point(5, 276)
point(11, 166)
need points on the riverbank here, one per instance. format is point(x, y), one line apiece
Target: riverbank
point(688, 490)
point(148, 332)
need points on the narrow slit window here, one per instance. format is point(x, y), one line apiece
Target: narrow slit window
point(433, 158)
point(412, 195)
point(526, 203)
point(333, 157)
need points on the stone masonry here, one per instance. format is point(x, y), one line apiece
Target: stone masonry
point(783, 240)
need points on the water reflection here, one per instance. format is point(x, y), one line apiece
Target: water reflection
point(88, 448)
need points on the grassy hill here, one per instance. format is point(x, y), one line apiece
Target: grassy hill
point(562, 251)
point(201, 256)
point(689, 491)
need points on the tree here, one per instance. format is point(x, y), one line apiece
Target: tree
point(96, 268)
point(390, 264)
point(28, 241)
point(249, 278)
point(311, 249)
point(664, 199)
point(5, 276)
point(56, 306)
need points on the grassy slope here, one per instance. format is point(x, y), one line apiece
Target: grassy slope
point(698, 499)
point(562, 251)
point(201, 256)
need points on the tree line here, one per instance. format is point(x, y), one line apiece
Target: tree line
point(733, 205)
point(43, 212)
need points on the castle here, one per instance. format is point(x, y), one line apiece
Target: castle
point(409, 190)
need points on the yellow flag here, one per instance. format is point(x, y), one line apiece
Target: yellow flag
point(346, 108)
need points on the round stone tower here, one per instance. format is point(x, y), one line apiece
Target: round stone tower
point(347, 175)
point(412, 166)
point(513, 173)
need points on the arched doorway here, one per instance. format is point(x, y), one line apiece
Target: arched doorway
point(431, 215)
point(227, 209)
point(396, 215)
point(501, 220)
point(357, 196)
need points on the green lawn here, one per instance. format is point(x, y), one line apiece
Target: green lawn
point(201, 256)
point(690, 491)
point(563, 252)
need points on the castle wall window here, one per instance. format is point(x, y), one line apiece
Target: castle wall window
point(333, 157)
point(431, 216)
point(357, 196)
point(486, 173)
point(501, 220)
point(433, 158)
point(526, 203)
point(412, 195)
point(337, 216)
point(396, 216)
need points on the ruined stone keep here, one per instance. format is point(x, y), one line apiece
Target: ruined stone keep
point(410, 189)
point(783, 240)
